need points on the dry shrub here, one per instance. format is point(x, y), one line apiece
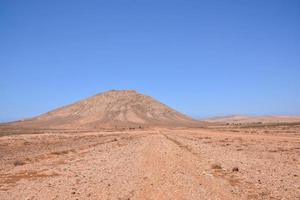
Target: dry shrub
point(19, 162)
point(60, 152)
point(235, 169)
point(216, 166)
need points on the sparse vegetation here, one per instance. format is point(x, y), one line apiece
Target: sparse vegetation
point(60, 152)
point(216, 166)
point(19, 162)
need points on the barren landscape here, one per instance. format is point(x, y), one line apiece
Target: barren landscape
point(146, 159)
point(150, 100)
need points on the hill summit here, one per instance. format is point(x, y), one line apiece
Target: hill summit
point(113, 109)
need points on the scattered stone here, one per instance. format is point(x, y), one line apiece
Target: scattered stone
point(235, 169)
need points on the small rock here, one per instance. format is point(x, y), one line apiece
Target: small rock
point(259, 181)
point(235, 169)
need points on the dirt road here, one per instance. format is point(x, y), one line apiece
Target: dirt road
point(160, 164)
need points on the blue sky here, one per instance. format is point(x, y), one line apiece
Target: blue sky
point(203, 58)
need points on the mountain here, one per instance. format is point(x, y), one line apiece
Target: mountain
point(112, 109)
point(246, 119)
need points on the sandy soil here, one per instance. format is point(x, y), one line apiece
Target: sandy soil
point(154, 164)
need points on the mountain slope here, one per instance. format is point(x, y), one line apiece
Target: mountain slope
point(114, 108)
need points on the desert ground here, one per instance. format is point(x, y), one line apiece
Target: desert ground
point(121, 145)
point(217, 162)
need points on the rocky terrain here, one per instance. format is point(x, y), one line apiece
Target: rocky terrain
point(123, 145)
point(152, 164)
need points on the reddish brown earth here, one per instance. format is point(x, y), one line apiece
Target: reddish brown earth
point(152, 164)
point(139, 149)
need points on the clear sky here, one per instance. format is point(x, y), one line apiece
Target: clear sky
point(203, 58)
